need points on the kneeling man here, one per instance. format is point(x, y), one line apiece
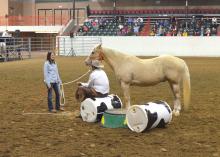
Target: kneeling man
point(97, 85)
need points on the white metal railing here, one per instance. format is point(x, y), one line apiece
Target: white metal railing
point(76, 46)
point(20, 48)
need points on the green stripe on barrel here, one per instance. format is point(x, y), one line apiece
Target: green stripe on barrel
point(114, 118)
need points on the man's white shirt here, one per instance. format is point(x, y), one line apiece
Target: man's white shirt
point(99, 81)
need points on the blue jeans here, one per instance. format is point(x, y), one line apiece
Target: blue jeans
point(54, 86)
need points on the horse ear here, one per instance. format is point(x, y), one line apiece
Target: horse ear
point(99, 46)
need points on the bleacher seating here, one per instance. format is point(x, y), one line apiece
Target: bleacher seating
point(150, 19)
point(113, 26)
point(108, 28)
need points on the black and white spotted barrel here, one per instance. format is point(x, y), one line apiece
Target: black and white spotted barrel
point(92, 109)
point(148, 116)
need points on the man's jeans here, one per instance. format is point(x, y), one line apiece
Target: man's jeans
point(56, 88)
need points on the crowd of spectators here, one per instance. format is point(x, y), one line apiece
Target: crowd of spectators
point(122, 26)
point(93, 24)
point(194, 26)
point(130, 26)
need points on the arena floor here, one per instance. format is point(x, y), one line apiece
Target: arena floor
point(194, 134)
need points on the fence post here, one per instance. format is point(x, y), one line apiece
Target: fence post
point(58, 45)
point(29, 47)
point(53, 48)
point(41, 44)
point(64, 45)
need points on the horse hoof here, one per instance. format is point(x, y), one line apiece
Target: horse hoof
point(176, 113)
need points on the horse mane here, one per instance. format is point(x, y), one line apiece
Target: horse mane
point(118, 54)
point(112, 51)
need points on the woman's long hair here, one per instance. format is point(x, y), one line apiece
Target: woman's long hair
point(49, 58)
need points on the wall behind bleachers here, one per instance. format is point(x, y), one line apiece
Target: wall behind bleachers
point(154, 46)
point(146, 46)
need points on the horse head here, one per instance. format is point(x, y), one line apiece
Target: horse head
point(96, 54)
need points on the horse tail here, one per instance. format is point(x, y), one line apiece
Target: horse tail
point(186, 87)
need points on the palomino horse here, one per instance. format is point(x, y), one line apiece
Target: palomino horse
point(131, 70)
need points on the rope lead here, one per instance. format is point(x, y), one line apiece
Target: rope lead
point(62, 95)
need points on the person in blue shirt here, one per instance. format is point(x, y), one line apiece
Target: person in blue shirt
point(52, 81)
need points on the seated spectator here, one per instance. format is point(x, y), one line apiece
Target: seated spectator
point(179, 33)
point(168, 33)
point(166, 23)
point(207, 32)
point(136, 29)
point(80, 31)
point(125, 30)
point(202, 31)
point(130, 21)
point(213, 31)
point(214, 21)
point(140, 21)
point(120, 26)
point(85, 29)
point(152, 33)
point(6, 34)
point(218, 31)
point(185, 34)
point(101, 23)
point(95, 25)
point(160, 31)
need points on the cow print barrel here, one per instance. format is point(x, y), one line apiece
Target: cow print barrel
point(92, 109)
point(149, 115)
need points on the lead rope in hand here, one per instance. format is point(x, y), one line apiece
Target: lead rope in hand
point(62, 95)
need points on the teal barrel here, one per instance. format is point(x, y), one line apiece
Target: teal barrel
point(114, 118)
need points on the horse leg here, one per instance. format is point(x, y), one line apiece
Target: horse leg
point(176, 92)
point(125, 88)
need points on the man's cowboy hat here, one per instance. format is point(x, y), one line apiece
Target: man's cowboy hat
point(97, 64)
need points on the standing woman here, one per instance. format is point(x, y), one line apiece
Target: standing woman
point(52, 81)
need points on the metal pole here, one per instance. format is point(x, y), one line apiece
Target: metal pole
point(45, 16)
point(35, 23)
point(29, 47)
point(74, 7)
point(114, 7)
point(38, 14)
point(186, 14)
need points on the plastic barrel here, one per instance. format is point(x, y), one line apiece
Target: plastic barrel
point(92, 109)
point(114, 118)
point(148, 116)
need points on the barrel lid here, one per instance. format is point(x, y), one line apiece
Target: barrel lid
point(114, 118)
point(137, 119)
point(88, 110)
point(116, 111)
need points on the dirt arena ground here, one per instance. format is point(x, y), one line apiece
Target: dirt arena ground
point(196, 133)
